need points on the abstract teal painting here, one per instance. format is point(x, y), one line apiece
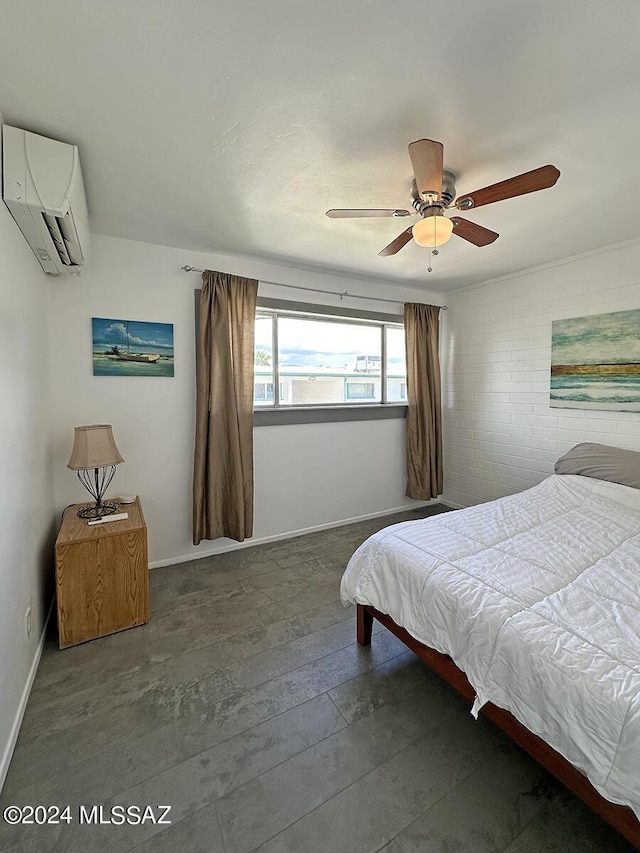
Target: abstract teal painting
point(132, 348)
point(595, 362)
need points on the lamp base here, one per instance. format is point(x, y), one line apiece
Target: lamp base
point(97, 510)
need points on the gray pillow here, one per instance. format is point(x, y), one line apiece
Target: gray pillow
point(602, 462)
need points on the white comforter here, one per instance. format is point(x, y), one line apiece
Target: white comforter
point(536, 597)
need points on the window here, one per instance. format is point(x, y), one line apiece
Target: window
point(263, 391)
point(360, 391)
point(316, 360)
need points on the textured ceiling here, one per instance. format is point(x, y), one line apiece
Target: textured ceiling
point(232, 126)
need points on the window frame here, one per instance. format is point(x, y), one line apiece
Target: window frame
point(326, 413)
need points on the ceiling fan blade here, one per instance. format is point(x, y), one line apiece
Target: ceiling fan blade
point(395, 245)
point(475, 234)
point(529, 182)
point(426, 159)
point(349, 213)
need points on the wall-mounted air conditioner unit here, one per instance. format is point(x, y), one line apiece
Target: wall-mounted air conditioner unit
point(42, 187)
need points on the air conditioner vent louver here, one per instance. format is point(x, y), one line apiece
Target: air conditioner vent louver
point(56, 235)
point(65, 239)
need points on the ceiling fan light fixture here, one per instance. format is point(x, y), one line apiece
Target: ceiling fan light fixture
point(433, 230)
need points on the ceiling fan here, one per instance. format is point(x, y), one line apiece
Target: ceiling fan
point(432, 192)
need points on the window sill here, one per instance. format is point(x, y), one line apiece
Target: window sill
point(328, 414)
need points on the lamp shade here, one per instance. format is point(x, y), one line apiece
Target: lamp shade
point(93, 447)
point(433, 230)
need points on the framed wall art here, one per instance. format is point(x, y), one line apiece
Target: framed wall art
point(595, 362)
point(132, 348)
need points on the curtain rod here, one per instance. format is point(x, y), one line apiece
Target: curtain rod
point(342, 294)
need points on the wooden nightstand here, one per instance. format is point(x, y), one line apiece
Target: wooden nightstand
point(102, 575)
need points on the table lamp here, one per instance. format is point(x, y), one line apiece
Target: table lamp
point(94, 456)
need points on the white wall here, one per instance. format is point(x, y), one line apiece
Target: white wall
point(26, 493)
point(501, 435)
point(306, 476)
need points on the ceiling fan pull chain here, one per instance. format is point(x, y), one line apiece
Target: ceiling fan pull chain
point(429, 267)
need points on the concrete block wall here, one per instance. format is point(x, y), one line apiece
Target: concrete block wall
point(500, 434)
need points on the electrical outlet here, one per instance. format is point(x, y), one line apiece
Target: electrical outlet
point(27, 621)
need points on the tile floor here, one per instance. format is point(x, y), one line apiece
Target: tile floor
point(246, 705)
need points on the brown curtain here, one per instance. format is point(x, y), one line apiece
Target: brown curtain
point(424, 419)
point(223, 463)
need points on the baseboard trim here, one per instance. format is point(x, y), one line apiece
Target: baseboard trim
point(17, 722)
point(263, 540)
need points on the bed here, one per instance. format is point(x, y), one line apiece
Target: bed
point(530, 607)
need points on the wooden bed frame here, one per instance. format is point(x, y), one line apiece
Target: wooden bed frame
point(620, 818)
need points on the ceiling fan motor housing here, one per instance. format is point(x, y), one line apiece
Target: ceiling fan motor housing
point(447, 194)
point(448, 187)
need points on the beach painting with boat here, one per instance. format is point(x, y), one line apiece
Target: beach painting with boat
point(595, 362)
point(132, 348)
